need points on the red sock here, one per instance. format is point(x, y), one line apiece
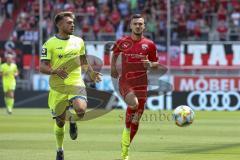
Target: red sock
point(128, 117)
point(138, 114)
point(133, 131)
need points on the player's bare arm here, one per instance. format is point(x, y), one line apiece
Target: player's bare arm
point(16, 73)
point(45, 68)
point(95, 76)
point(114, 72)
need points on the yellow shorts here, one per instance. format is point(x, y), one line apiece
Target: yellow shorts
point(59, 102)
point(8, 87)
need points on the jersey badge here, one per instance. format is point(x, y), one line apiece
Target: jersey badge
point(144, 46)
point(44, 52)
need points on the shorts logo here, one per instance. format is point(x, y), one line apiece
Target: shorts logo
point(60, 56)
point(44, 52)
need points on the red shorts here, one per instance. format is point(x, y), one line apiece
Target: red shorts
point(140, 91)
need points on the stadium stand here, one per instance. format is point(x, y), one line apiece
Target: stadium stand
point(107, 20)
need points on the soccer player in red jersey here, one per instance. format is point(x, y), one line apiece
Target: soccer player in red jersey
point(136, 54)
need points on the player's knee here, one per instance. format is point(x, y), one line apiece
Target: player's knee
point(11, 96)
point(134, 105)
point(80, 107)
point(132, 101)
point(60, 123)
point(81, 113)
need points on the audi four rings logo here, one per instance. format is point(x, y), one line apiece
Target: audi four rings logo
point(210, 100)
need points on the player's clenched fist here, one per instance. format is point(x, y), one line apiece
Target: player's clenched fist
point(96, 76)
point(61, 72)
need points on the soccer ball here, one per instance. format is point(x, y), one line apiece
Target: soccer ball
point(183, 116)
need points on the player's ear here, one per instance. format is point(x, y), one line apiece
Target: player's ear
point(130, 26)
point(144, 24)
point(58, 25)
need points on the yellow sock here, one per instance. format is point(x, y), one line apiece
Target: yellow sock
point(8, 102)
point(11, 103)
point(59, 133)
point(125, 143)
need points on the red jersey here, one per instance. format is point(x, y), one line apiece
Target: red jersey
point(133, 73)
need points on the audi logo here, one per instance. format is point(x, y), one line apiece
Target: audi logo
point(210, 100)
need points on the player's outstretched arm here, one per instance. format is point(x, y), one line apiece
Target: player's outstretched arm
point(95, 76)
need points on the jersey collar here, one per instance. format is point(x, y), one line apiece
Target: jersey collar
point(58, 37)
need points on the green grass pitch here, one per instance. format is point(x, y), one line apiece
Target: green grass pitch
point(28, 135)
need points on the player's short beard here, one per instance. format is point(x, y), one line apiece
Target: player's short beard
point(68, 32)
point(138, 34)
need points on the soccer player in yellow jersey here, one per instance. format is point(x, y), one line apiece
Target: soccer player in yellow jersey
point(63, 56)
point(9, 71)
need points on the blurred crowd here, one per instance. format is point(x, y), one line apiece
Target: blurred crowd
point(109, 19)
point(6, 8)
point(206, 19)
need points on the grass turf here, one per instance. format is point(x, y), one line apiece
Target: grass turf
point(28, 134)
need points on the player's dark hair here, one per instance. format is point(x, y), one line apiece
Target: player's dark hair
point(61, 15)
point(136, 16)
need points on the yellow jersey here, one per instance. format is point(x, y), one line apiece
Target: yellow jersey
point(64, 53)
point(8, 72)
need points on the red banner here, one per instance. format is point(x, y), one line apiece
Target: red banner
point(205, 55)
point(207, 83)
point(211, 55)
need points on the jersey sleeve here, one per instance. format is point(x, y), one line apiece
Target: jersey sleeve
point(82, 49)
point(2, 67)
point(46, 52)
point(115, 49)
point(152, 55)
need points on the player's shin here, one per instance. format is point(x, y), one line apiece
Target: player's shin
point(11, 103)
point(129, 115)
point(134, 129)
point(125, 143)
point(134, 125)
point(8, 103)
point(59, 133)
point(136, 119)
